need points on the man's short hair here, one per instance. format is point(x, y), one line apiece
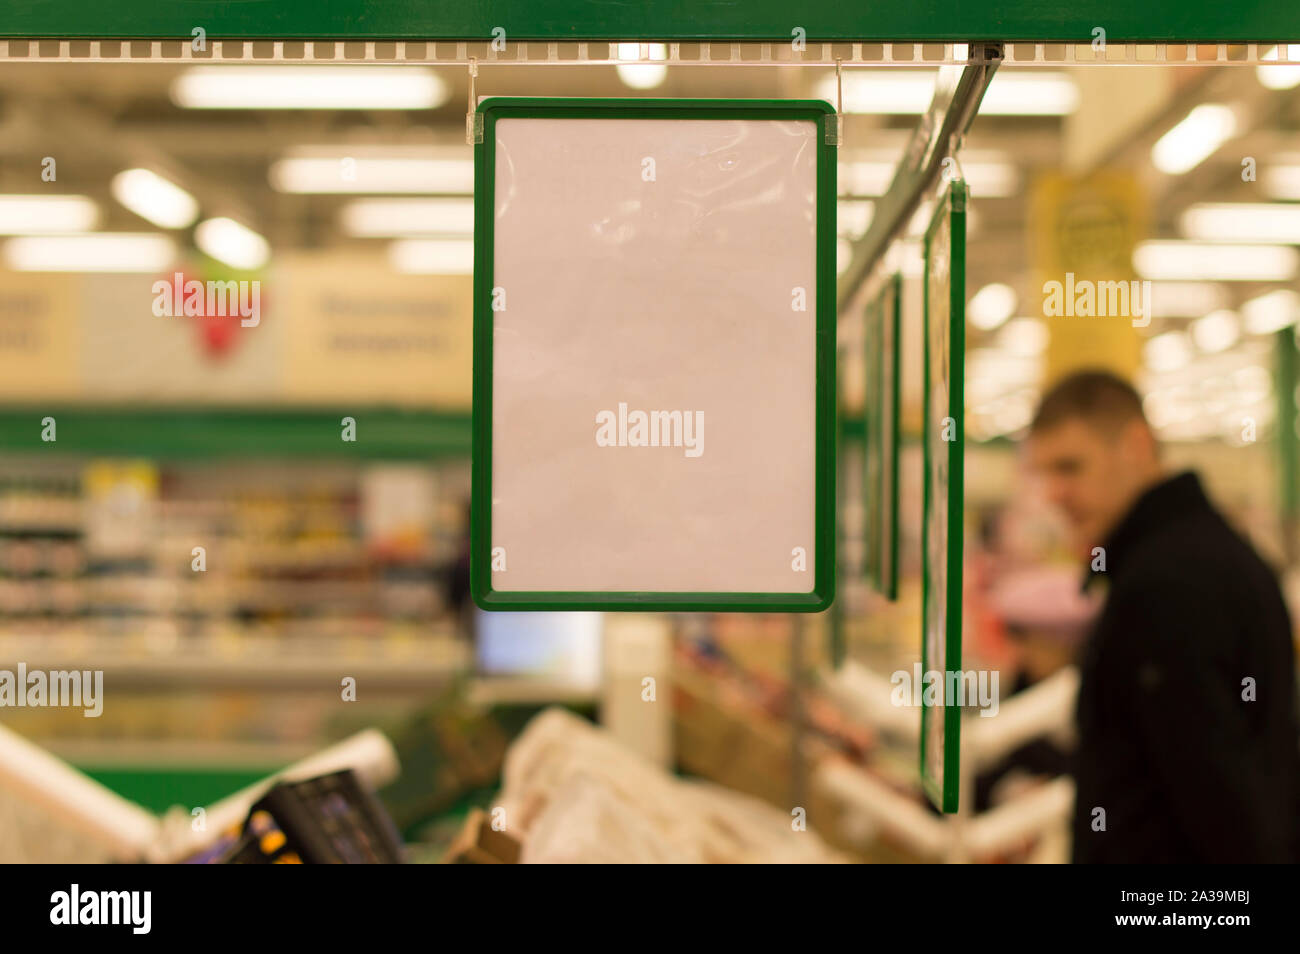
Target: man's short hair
point(1097, 397)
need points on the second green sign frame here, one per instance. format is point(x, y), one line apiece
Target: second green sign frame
point(880, 409)
point(942, 430)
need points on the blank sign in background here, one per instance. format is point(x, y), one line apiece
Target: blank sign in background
point(652, 262)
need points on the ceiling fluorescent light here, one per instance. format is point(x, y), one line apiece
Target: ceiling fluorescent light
point(154, 198)
point(1186, 299)
point(90, 252)
point(1243, 222)
point(991, 306)
point(904, 92)
point(432, 256)
point(887, 92)
point(228, 241)
point(1030, 93)
point(1184, 261)
point(37, 214)
point(1198, 136)
point(309, 87)
point(1217, 331)
point(1271, 312)
point(1282, 181)
point(389, 217)
point(1167, 352)
point(1024, 337)
point(987, 179)
point(363, 171)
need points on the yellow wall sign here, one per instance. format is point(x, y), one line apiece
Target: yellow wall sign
point(329, 329)
point(355, 329)
point(40, 333)
point(1083, 234)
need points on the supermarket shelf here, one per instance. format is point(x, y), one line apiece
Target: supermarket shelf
point(195, 432)
point(508, 690)
point(132, 753)
point(414, 664)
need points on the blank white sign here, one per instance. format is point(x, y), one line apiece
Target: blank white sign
point(654, 355)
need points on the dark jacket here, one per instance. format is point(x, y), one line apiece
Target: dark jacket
point(1187, 769)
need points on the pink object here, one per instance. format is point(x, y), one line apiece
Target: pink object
point(1044, 598)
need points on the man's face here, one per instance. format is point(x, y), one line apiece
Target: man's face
point(1092, 476)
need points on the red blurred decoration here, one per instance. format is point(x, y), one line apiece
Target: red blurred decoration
point(217, 334)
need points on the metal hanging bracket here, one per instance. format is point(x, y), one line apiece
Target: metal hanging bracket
point(955, 103)
point(473, 118)
point(834, 125)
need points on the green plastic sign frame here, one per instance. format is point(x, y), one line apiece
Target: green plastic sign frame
point(881, 413)
point(820, 593)
point(943, 430)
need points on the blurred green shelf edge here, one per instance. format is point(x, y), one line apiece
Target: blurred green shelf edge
point(198, 433)
point(158, 788)
point(576, 20)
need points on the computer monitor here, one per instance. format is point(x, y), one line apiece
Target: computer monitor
point(562, 647)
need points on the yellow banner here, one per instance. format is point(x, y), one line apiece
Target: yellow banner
point(1083, 234)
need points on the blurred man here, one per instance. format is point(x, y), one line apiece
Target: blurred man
point(1188, 746)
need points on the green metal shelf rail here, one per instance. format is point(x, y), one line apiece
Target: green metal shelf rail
point(956, 102)
point(198, 433)
point(1287, 435)
point(1155, 21)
